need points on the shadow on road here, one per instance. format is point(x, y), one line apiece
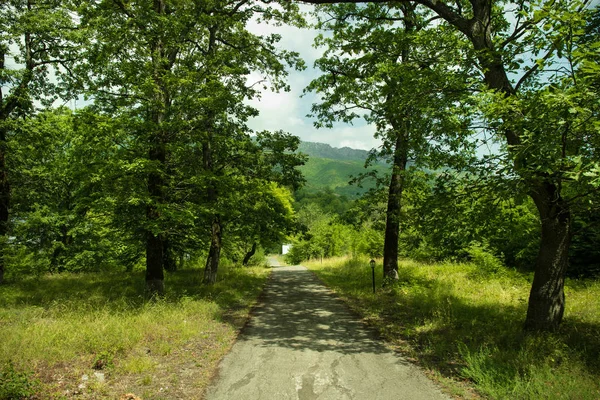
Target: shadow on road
point(298, 312)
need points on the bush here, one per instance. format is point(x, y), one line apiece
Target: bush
point(481, 256)
point(371, 242)
point(15, 384)
point(296, 254)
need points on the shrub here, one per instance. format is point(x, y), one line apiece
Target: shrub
point(297, 253)
point(16, 384)
point(481, 256)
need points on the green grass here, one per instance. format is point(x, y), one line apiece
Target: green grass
point(57, 328)
point(465, 328)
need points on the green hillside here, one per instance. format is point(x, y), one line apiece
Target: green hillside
point(335, 171)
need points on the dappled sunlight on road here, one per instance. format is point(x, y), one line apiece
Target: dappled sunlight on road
point(303, 343)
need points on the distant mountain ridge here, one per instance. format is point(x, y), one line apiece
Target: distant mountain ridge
point(322, 150)
point(330, 168)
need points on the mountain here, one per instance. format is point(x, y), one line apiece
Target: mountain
point(322, 150)
point(332, 168)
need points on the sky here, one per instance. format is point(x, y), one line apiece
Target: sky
point(288, 110)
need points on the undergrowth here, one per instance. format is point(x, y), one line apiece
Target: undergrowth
point(464, 324)
point(98, 336)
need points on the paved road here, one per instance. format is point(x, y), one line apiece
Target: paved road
point(302, 343)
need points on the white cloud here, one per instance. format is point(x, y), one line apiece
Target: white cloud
point(287, 110)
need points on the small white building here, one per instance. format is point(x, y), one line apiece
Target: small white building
point(285, 248)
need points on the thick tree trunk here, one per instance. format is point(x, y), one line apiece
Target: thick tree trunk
point(401, 130)
point(249, 254)
point(392, 222)
point(214, 253)
point(547, 298)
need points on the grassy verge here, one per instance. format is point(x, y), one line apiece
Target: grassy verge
point(464, 326)
point(95, 336)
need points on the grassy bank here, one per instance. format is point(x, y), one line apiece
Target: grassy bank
point(464, 326)
point(95, 336)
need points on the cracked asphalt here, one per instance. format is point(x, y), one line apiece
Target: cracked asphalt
point(302, 343)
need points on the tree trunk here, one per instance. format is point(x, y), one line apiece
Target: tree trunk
point(155, 246)
point(214, 253)
point(249, 254)
point(392, 221)
point(4, 200)
point(401, 130)
point(547, 298)
point(168, 260)
point(154, 265)
point(154, 241)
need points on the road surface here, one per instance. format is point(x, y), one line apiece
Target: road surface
point(302, 343)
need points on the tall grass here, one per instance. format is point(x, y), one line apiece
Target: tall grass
point(464, 324)
point(64, 328)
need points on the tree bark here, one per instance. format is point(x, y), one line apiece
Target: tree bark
point(154, 241)
point(4, 199)
point(401, 130)
point(157, 156)
point(249, 254)
point(392, 221)
point(168, 261)
point(547, 298)
point(214, 253)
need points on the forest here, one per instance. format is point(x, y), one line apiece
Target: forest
point(127, 160)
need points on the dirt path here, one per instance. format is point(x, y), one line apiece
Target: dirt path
point(302, 343)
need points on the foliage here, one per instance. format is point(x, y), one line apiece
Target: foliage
point(385, 63)
point(58, 220)
point(486, 262)
point(327, 200)
point(176, 77)
point(447, 214)
point(264, 216)
point(138, 169)
point(328, 235)
point(16, 384)
point(536, 97)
